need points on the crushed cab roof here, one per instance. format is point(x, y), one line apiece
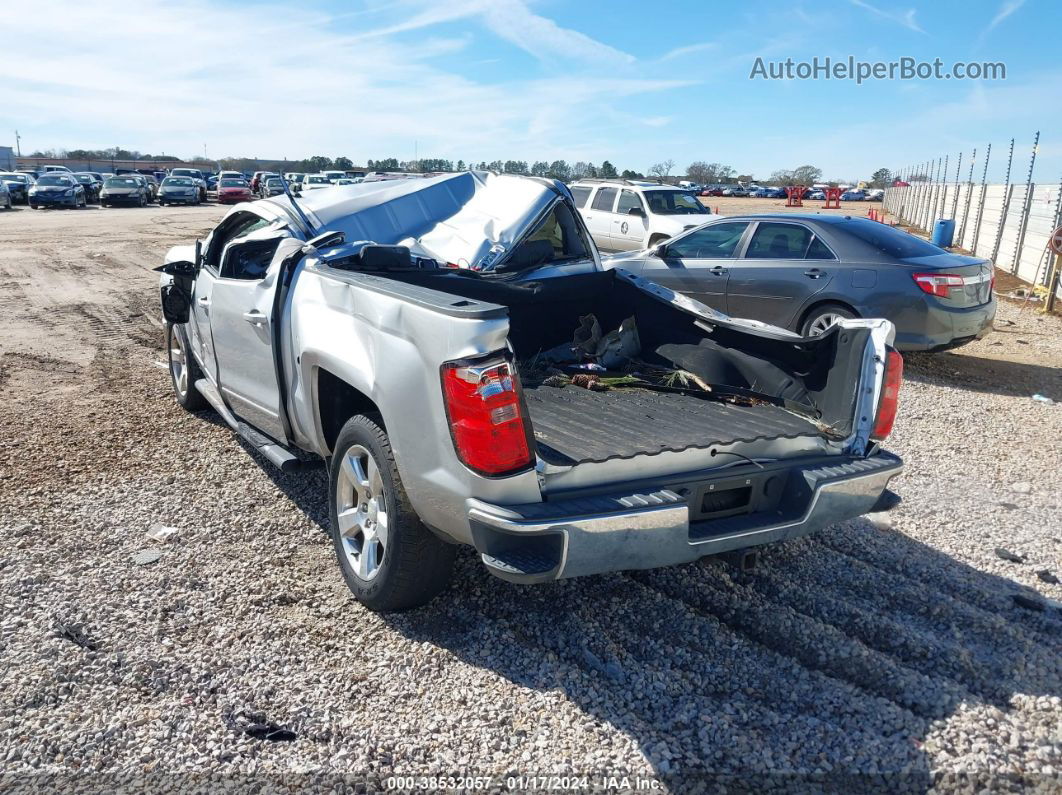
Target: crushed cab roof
point(453, 218)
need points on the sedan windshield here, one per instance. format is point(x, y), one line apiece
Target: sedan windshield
point(65, 182)
point(14, 178)
point(316, 180)
point(85, 179)
point(673, 202)
point(233, 183)
point(274, 181)
point(178, 182)
point(121, 182)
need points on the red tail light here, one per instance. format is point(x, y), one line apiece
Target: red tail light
point(889, 401)
point(938, 284)
point(486, 417)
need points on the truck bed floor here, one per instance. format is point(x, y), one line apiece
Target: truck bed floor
point(574, 425)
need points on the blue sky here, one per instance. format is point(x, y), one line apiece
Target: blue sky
point(633, 83)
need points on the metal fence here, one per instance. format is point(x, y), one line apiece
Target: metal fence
point(1007, 222)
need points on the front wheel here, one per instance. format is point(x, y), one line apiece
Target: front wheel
point(184, 370)
point(389, 559)
point(822, 317)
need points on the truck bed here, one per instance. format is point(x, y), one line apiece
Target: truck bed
point(574, 425)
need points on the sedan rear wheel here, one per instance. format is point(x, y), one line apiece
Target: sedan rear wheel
point(822, 317)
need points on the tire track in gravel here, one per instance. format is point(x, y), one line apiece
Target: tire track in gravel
point(703, 675)
point(925, 629)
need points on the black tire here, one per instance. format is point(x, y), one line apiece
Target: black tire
point(415, 565)
point(822, 313)
point(189, 399)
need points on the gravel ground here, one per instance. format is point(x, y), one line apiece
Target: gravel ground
point(887, 654)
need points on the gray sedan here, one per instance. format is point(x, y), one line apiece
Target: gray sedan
point(805, 272)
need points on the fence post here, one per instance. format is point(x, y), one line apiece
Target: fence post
point(1006, 203)
point(981, 203)
point(1023, 223)
point(931, 209)
point(969, 196)
point(955, 198)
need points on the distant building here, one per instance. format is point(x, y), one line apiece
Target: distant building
point(7, 158)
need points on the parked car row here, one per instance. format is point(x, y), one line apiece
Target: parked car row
point(189, 186)
point(776, 192)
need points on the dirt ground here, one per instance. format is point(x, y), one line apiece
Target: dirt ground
point(890, 648)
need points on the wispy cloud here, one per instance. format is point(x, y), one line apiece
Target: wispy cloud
point(905, 18)
point(689, 49)
point(325, 91)
point(1005, 10)
point(512, 21)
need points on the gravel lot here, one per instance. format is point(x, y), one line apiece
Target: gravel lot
point(885, 655)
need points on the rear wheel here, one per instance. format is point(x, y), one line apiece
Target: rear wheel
point(184, 370)
point(822, 317)
point(389, 559)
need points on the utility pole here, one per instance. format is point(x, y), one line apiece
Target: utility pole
point(18, 146)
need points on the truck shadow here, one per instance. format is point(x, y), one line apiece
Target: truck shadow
point(840, 653)
point(982, 374)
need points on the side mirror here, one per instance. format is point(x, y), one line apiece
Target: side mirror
point(661, 251)
point(198, 253)
point(636, 211)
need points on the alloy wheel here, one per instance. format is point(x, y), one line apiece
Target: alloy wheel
point(178, 364)
point(361, 508)
point(823, 322)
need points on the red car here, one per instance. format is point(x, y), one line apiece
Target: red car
point(712, 192)
point(231, 191)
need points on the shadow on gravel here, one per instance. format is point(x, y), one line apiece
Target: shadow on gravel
point(827, 666)
point(837, 655)
point(984, 375)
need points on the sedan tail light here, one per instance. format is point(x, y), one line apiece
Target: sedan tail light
point(889, 401)
point(938, 284)
point(485, 410)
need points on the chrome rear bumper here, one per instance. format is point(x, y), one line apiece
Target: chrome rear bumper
point(591, 535)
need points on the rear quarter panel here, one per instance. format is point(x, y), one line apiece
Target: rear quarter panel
point(368, 332)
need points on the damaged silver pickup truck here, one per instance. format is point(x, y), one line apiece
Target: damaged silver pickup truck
point(453, 350)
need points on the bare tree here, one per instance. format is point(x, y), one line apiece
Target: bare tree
point(662, 169)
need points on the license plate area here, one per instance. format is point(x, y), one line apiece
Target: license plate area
point(746, 494)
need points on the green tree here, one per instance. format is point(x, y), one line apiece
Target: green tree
point(628, 174)
point(460, 165)
point(607, 170)
point(559, 169)
point(342, 163)
point(319, 163)
point(539, 168)
point(881, 178)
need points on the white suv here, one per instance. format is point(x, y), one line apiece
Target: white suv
point(626, 215)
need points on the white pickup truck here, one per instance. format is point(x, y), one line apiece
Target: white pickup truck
point(453, 350)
